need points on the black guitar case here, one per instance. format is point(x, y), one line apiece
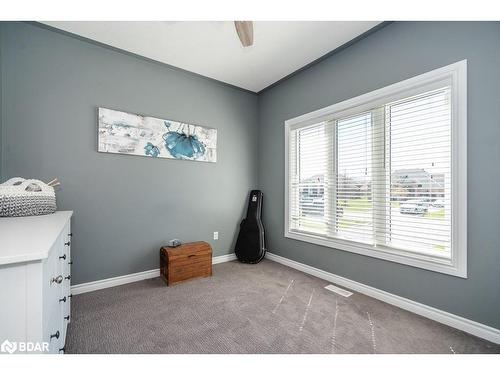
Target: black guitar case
point(251, 243)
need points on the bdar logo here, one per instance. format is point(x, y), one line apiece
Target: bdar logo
point(8, 347)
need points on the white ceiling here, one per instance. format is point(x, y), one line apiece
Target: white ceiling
point(213, 49)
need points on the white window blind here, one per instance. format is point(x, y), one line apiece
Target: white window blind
point(311, 181)
point(388, 171)
point(378, 178)
point(354, 176)
point(420, 164)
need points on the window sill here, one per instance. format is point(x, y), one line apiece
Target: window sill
point(443, 265)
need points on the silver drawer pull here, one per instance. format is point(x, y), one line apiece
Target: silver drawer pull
point(67, 243)
point(55, 335)
point(59, 279)
point(68, 277)
point(63, 256)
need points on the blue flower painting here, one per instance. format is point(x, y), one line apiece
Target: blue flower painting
point(181, 145)
point(151, 150)
point(126, 133)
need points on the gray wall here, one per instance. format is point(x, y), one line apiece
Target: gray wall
point(1, 108)
point(125, 206)
point(396, 52)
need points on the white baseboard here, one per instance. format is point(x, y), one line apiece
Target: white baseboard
point(224, 258)
point(455, 321)
point(133, 277)
point(113, 281)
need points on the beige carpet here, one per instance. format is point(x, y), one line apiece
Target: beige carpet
point(263, 308)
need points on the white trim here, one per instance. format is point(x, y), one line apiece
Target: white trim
point(380, 252)
point(459, 168)
point(474, 328)
point(454, 75)
point(114, 281)
point(133, 277)
point(224, 258)
point(387, 94)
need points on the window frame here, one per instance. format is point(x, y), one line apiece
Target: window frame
point(454, 75)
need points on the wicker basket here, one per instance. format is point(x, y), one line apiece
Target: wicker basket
point(20, 197)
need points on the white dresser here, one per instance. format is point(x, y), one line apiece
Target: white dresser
point(35, 279)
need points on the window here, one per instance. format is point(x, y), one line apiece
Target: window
point(384, 174)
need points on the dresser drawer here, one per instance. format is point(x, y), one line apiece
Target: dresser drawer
point(56, 292)
point(53, 280)
point(65, 302)
point(54, 334)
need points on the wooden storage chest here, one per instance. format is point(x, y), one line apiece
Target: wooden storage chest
point(185, 262)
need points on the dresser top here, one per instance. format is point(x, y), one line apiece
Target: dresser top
point(30, 238)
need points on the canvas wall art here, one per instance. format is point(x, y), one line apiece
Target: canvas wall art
point(127, 133)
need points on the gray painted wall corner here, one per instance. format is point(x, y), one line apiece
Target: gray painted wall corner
point(398, 51)
point(125, 207)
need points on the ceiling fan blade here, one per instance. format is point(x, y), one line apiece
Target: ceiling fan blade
point(245, 32)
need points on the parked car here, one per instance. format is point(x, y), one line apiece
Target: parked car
point(318, 207)
point(438, 203)
point(414, 206)
point(312, 206)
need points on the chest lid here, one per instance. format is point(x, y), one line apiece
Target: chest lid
point(187, 249)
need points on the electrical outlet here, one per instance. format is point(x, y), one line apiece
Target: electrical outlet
point(216, 235)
